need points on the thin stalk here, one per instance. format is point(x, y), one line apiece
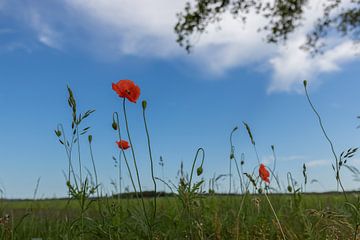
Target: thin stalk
point(120, 176)
point(330, 142)
point(238, 171)
point(233, 156)
point(93, 164)
point(123, 152)
point(151, 160)
point(230, 178)
point(257, 155)
point(277, 219)
point(163, 175)
point(96, 181)
point(79, 154)
point(135, 164)
point(275, 158)
point(193, 165)
point(68, 153)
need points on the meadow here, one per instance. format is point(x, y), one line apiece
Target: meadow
point(309, 216)
point(193, 207)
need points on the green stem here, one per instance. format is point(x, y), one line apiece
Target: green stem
point(93, 164)
point(277, 219)
point(257, 155)
point(330, 142)
point(151, 160)
point(135, 164)
point(68, 153)
point(79, 154)
point(123, 152)
point(275, 158)
point(236, 163)
point(120, 175)
point(230, 177)
point(193, 165)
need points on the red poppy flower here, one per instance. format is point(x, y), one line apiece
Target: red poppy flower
point(127, 89)
point(122, 144)
point(264, 173)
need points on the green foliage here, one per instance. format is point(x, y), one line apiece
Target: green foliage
point(283, 17)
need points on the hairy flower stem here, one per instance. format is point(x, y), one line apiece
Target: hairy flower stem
point(277, 219)
point(275, 158)
point(151, 161)
point(123, 152)
point(135, 165)
point(230, 177)
point(120, 176)
point(68, 151)
point(79, 154)
point(93, 164)
point(257, 155)
point(193, 165)
point(337, 172)
point(96, 180)
point(232, 155)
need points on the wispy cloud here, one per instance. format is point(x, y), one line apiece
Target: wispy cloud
point(269, 159)
point(317, 163)
point(45, 33)
point(144, 28)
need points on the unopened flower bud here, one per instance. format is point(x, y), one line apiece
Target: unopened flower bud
point(144, 104)
point(199, 171)
point(305, 83)
point(114, 126)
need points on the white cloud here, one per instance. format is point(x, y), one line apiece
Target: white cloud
point(317, 163)
point(269, 159)
point(139, 27)
point(45, 33)
point(292, 65)
point(144, 28)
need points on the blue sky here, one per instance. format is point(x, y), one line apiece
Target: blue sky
point(193, 100)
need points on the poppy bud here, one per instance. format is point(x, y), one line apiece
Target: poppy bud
point(305, 83)
point(114, 125)
point(68, 183)
point(199, 170)
point(242, 162)
point(231, 155)
point(260, 190)
point(90, 138)
point(144, 104)
point(289, 188)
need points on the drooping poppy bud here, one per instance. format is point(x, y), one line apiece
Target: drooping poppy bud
point(199, 171)
point(114, 125)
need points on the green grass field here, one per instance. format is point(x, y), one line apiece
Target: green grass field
point(264, 210)
point(307, 216)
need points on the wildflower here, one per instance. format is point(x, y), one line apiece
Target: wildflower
point(127, 89)
point(123, 144)
point(264, 173)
